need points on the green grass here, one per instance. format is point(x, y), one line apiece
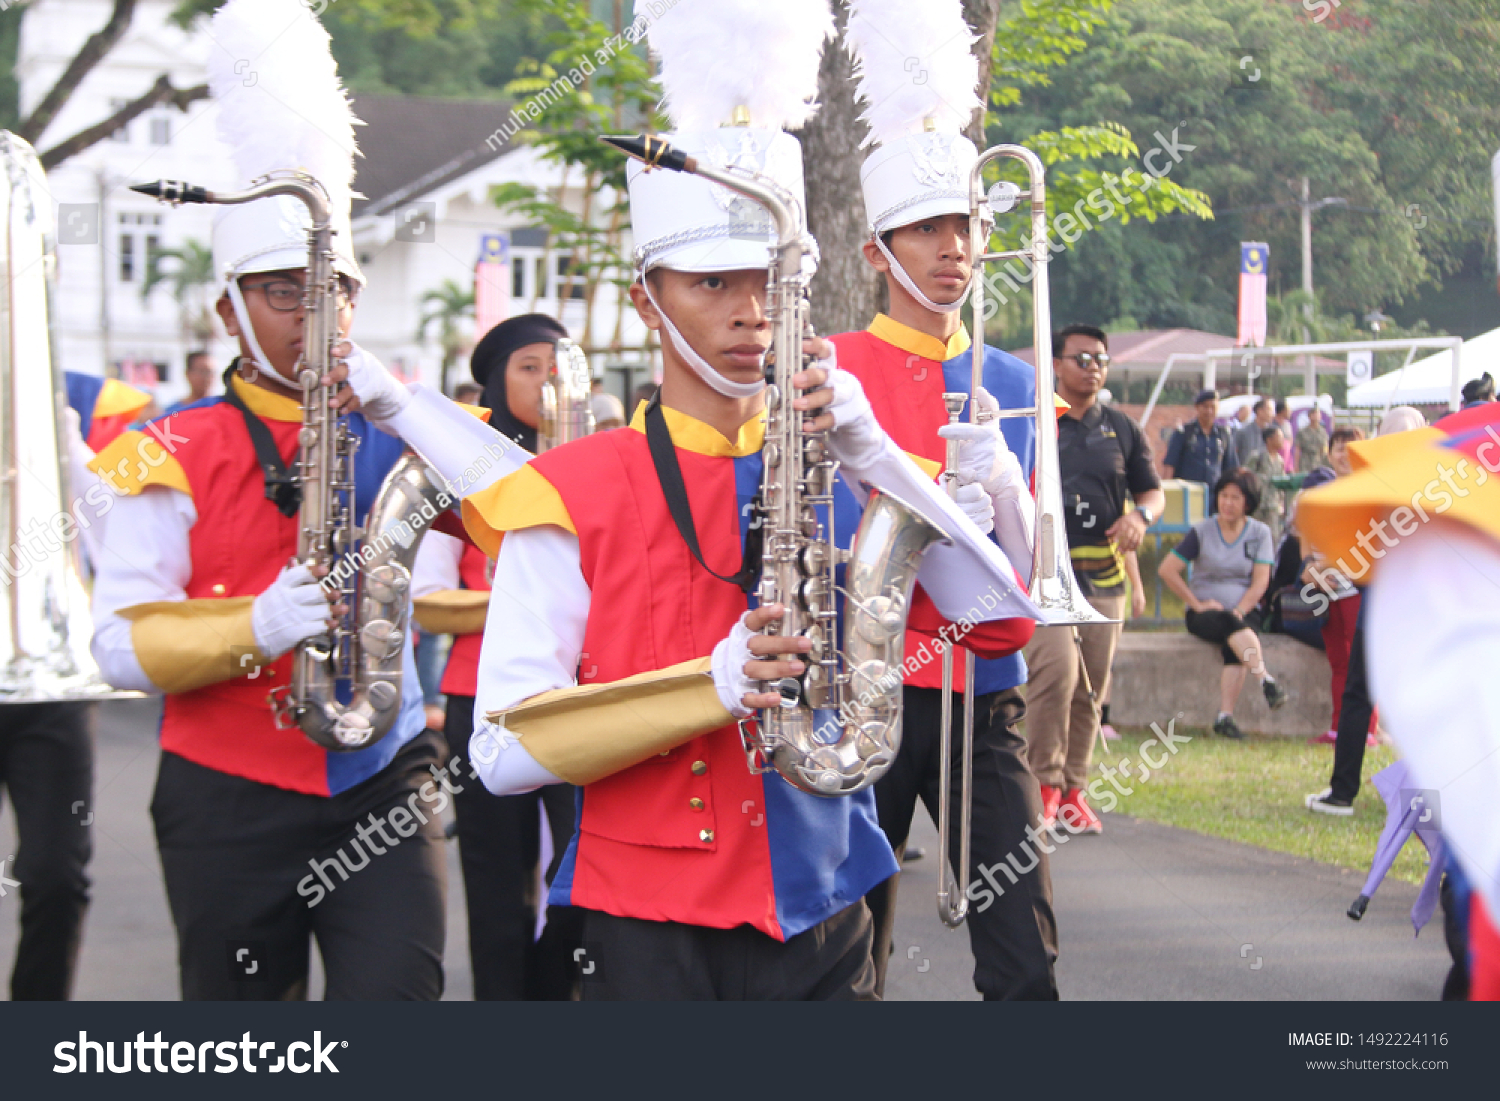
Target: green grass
point(1252, 791)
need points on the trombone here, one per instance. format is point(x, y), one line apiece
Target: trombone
point(1053, 587)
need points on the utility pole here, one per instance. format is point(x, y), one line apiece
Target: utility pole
point(1306, 207)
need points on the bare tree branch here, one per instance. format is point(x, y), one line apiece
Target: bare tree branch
point(90, 54)
point(161, 92)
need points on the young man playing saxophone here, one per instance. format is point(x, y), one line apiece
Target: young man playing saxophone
point(266, 838)
point(699, 878)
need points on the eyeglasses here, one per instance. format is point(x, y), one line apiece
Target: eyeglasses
point(284, 296)
point(1086, 360)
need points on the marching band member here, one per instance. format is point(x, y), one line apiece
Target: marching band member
point(499, 840)
point(699, 878)
point(266, 838)
point(1419, 518)
point(916, 196)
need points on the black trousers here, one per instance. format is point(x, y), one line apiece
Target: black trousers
point(1354, 718)
point(499, 845)
point(47, 765)
point(252, 871)
point(628, 959)
point(1014, 938)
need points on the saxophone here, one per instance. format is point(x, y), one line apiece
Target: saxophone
point(839, 724)
point(363, 653)
point(566, 413)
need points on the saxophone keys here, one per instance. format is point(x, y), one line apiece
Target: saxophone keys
point(386, 584)
point(881, 619)
point(383, 695)
point(381, 638)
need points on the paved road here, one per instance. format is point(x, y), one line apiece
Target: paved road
point(1146, 911)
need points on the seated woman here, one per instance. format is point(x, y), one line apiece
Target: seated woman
point(1232, 557)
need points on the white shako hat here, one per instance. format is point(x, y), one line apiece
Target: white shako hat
point(283, 110)
point(735, 74)
point(687, 223)
point(916, 113)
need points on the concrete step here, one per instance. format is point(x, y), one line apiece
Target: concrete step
point(1159, 675)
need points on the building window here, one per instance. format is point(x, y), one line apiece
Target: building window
point(127, 258)
point(123, 133)
point(573, 289)
point(517, 277)
point(161, 130)
point(140, 242)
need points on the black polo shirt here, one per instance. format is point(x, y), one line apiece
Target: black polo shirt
point(1104, 459)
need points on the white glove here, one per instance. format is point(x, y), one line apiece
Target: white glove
point(293, 608)
point(978, 506)
point(729, 659)
point(857, 440)
point(983, 456)
point(381, 397)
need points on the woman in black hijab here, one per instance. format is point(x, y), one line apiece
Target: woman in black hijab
point(512, 363)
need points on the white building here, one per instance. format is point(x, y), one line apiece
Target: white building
point(426, 175)
point(106, 231)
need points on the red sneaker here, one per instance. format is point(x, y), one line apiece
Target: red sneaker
point(1051, 797)
point(1076, 815)
point(1329, 737)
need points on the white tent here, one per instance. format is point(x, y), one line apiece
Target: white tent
point(1427, 381)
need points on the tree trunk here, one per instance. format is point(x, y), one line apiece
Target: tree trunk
point(846, 292)
point(982, 15)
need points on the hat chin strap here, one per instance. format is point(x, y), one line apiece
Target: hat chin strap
point(911, 287)
point(258, 358)
point(700, 366)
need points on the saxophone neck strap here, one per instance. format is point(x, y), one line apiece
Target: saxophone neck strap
point(669, 474)
point(282, 488)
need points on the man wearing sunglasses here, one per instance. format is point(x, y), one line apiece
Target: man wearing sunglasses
point(1104, 461)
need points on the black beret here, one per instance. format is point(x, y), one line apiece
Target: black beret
point(512, 333)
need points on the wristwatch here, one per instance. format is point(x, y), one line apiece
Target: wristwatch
point(1147, 513)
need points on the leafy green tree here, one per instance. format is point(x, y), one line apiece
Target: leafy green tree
point(594, 79)
point(1391, 108)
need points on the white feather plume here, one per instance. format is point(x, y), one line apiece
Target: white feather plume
point(716, 55)
point(280, 102)
point(912, 62)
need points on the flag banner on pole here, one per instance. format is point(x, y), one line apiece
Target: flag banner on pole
point(1254, 259)
point(491, 283)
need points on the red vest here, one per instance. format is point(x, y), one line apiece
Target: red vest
point(461, 677)
point(239, 544)
point(645, 849)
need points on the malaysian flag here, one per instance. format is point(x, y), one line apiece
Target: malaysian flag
point(492, 278)
point(1254, 258)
